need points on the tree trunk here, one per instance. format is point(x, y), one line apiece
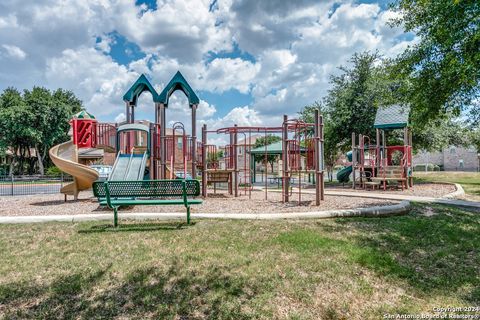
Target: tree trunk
point(330, 173)
point(41, 168)
point(10, 169)
point(21, 160)
point(12, 163)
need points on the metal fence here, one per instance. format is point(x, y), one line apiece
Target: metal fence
point(30, 185)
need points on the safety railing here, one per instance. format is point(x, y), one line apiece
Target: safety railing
point(33, 184)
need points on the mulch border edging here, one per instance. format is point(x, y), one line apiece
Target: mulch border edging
point(455, 194)
point(376, 211)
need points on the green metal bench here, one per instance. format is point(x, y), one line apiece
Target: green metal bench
point(147, 192)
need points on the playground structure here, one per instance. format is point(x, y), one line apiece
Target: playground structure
point(163, 158)
point(377, 164)
point(297, 138)
point(151, 151)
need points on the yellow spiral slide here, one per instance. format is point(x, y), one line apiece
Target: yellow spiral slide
point(65, 157)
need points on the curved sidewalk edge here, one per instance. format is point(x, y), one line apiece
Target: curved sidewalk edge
point(377, 211)
point(449, 199)
point(459, 192)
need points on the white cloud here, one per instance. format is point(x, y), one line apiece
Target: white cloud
point(219, 75)
point(92, 75)
point(120, 117)
point(178, 28)
point(295, 46)
point(14, 52)
point(242, 116)
point(224, 74)
point(105, 43)
point(205, 110)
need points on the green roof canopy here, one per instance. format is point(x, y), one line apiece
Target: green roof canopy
point(392, 117)
point(178, 82)
point(142, 84)
point(274, 148)
point(83, 115)
point(133, 126)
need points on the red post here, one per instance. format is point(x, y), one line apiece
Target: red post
point(204, 160)
point(235, 161)
point(285, 177)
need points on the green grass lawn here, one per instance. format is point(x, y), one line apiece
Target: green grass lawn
point(470, 181)
point(353, 268)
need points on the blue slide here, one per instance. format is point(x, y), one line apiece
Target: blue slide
point(343, 175)
point(129, 167)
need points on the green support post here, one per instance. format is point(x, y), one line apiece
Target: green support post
point(109, 204)
point(115, 217)
point(184, 190)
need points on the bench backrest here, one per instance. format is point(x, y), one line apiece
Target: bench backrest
point(147, 188)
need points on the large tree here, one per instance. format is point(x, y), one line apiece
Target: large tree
point(442, 132)
point(51, 111)
point(16, 129)
point(441, 72)
point(350, 105)
point(331, 145)
point(37, 120)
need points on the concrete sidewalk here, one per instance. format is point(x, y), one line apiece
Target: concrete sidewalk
point(447, 199)
point(378, 211)
point(401, 197)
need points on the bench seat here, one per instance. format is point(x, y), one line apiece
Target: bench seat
point(115, 194)
point(147, 202)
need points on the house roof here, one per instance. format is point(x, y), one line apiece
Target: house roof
point(249, 141)
point(392, 117)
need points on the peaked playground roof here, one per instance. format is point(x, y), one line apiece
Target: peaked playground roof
point(83, 115)
point(142, 84)
point(178, 82)
point(392, 117)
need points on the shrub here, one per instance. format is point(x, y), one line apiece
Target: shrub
point(419, 167)
point(53, 171)
point(429, 167)
point(397, 157)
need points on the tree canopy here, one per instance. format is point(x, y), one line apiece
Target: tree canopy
point(35, 120)
point(441, 73)
point(265, 141)
point(350, 105)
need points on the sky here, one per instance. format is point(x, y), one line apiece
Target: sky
point(249, 61)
